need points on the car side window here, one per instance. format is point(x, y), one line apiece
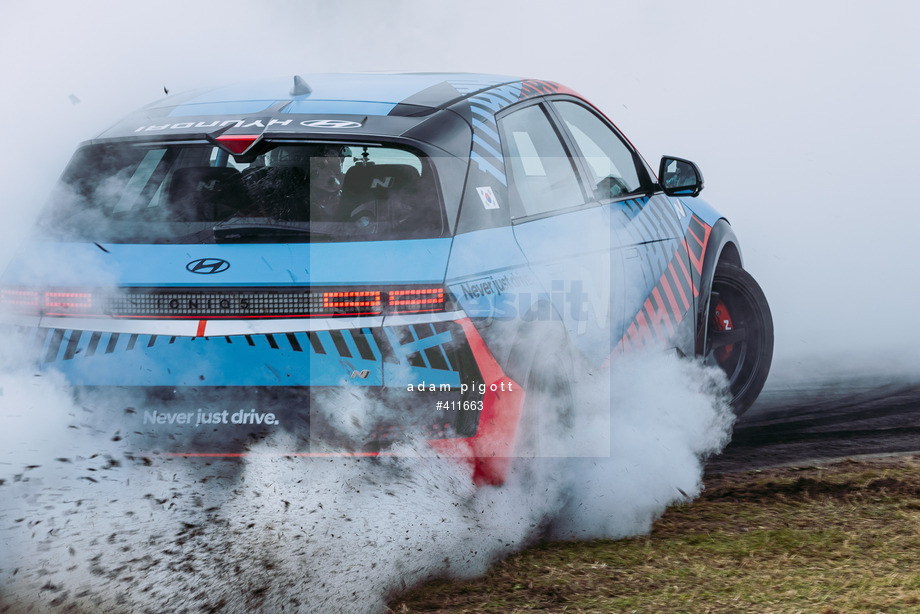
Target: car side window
point(608, 158)
point(541, 174)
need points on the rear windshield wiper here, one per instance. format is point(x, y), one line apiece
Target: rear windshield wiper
point(250, 232)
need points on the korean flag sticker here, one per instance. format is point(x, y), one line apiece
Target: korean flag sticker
point(488, 197)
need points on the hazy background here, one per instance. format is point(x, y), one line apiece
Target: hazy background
point(802, 115)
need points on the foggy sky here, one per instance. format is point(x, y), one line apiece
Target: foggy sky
point(801, 115)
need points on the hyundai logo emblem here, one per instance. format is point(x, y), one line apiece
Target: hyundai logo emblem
point(329, 123)
point(207, 266)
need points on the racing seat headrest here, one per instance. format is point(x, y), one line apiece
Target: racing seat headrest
point(365, 182)
point(205, 193)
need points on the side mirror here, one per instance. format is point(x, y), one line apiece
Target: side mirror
point(679, 177)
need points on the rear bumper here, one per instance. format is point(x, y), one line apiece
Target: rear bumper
point(330, 388)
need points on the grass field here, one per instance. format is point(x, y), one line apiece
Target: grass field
point(842, 537)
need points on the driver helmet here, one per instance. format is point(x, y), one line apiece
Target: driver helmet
point(326, 172)
point(289, 156)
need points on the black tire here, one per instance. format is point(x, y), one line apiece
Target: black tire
point(745, 349)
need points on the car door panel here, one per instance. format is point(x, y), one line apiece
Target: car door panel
point(566, 236)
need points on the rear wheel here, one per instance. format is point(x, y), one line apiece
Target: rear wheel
point(739, 334)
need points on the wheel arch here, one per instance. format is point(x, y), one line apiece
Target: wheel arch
point(526, 339)
point(722, 247)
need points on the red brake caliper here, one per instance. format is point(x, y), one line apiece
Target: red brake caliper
point(722, 320)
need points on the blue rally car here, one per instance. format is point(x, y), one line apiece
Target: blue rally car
point(349, 261)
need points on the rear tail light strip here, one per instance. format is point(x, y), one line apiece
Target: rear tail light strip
point(225, 303)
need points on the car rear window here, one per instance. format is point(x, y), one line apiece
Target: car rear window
point(291, 192)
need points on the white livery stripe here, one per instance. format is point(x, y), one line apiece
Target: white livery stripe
point(225, 328)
